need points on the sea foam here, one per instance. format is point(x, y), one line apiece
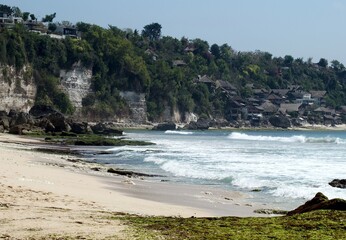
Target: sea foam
point(290, 139)
point(178, 132)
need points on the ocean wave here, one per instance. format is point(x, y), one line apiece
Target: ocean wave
point(291, 139)
point(155, 160)
point(178, 132)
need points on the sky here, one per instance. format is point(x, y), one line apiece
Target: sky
point(300, 28)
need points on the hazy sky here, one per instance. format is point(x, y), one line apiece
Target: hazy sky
point(301, 28)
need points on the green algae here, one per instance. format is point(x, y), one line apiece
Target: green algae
point(312, 225)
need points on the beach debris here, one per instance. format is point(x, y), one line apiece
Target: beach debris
point(207, 193)
point(130, 173)
point(320, 201)
point(73, 160)
point(97, 169)
point(4, 205)
point(338, 183)
point(128, 181)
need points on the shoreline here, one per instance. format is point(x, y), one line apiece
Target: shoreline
point(147, 196)
point(57, 196)
point(308, 127)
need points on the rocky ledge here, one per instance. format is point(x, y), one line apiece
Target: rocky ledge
point(338, 183)
point(319, 202)
point(44, 119)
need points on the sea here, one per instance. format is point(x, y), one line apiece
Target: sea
point(279, 168)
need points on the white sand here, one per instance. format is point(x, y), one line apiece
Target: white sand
point(42, 194)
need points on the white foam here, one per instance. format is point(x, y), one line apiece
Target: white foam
point(178, 132)
point(156, 160)
point(283, 165)
point(291, 139)
point(243, 136)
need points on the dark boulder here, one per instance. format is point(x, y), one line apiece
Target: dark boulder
point(113, 131)
point(42, 110)
point(338, 183)
point(2, 129)
point(201, 124)
point(19, 129)
point(59, 122)
point(5, 122)
point(296, 122)
point(79, 128)
point(165, 126)
point(12, 113)
point(3, 114)
point(280, 121)
point(319, 202)
point(102, 128)
point(22, 118)
point(219, 123)
point(45, 124)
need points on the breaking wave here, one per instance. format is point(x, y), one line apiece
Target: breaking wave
point(178, 132)
point(291, 139)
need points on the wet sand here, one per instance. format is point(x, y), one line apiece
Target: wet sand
point(44, 193)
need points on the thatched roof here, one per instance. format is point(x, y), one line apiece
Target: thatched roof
point(280, 92)
point(269, 107)
point(226, 85)
point(318, 94)
point(273, 96)
point(177, 63)
point(324, 110)
point(290, 107)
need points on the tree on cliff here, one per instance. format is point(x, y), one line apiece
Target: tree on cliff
point(152, 31)
point(6, 9)
point(49, 18)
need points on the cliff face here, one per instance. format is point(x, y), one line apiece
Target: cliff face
point(17, 89)
point(76, 82)
point(18, 92)
point(137, 105)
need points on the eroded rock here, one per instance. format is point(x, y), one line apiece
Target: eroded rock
point(320, 201)
point(338, 183)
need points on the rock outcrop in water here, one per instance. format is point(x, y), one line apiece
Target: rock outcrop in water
point(320, 201)
point(338, 183)
point(165, 126)
point(201, 124)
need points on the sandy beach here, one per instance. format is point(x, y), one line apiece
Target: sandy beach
point(44, 194)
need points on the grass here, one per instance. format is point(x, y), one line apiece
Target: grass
point(313, 225)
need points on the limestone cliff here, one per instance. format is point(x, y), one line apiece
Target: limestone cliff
point(76, 82)
point(137, 105)
point(177, 117)
point(17, 89)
